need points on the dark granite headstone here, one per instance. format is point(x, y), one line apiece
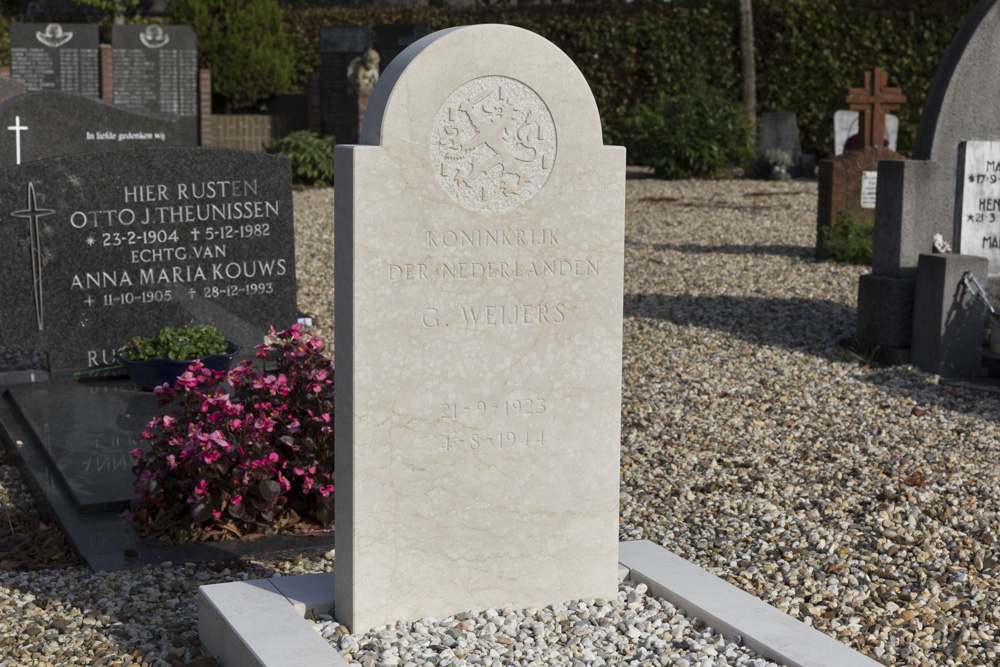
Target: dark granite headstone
point(48, 124)
point(11, 88)
point(105, 419)
point(390, 40)
point(55, 56)
point(100, 247)
point(338, 105)
point(780, 130)
point(156, 69)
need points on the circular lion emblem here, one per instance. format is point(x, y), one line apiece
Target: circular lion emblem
point(493, 144)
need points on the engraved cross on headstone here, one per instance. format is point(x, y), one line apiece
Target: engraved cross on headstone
point(17, 128)
point(32, 213)
point(873, 99)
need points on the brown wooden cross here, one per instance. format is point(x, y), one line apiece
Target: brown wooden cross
point(873, 99)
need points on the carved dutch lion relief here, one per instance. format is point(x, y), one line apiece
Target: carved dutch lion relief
point(493, 144)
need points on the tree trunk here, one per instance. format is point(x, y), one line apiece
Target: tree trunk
point(748, 66)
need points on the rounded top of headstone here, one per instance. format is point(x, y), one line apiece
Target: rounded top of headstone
point(501, 74)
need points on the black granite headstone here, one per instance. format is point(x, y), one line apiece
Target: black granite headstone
point(56, 57)
point(48, 124)
point(156, 69)
point(101, 247)
point(392, 39)
point(338, 104)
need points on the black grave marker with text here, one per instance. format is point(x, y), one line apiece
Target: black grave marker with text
point(63, 57)
point(49, 124)
point(338, 104)
point(156, 69)
point(392, 39)
point(101, 247)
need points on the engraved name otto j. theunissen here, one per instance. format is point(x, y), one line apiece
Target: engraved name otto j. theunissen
point(493, 144)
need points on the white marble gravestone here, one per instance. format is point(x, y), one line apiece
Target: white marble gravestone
point(845, 125)
point(978, 225)
point(479, 277)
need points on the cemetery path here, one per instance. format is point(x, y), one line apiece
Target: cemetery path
point(860, 500)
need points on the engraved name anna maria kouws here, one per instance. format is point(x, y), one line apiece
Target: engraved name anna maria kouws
point(493, 144)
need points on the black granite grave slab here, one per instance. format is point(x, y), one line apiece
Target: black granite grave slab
point(156, 69)
point(392, 39)
point(101, 247)
point(49, 124)
point(105, 540)
point(340, 45)
point(86, 430)
point(53, 56)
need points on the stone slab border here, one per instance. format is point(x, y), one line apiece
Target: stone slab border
point(261, 623)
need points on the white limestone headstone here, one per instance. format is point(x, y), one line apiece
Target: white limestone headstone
point(978, 226)
point(479, 278)
point(845, 125)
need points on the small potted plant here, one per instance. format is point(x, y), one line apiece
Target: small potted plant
point(779, 160)
point(162, 358)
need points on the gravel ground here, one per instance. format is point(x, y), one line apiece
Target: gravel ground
point(860, 500)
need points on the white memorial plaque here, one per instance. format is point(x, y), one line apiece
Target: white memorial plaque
point(479, 281)
point(869, 185)
point(979, 219)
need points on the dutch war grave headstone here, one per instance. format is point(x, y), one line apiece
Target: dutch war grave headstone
point(479, 278)
point(101, 247)
point(341, 109)
point(944, 189)
point(848, 182)
point(62, 57)
point(156, 69)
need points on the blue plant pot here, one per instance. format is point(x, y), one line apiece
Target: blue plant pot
point(151, 373)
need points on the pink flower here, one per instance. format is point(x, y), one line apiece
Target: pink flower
point(201, 487)
point(136, 453)
point(168, 420)
point(273, 457)
point(216, 514)
point(326, 490)
point(236, 500)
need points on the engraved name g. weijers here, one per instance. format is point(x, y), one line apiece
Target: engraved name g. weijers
point(493, 144)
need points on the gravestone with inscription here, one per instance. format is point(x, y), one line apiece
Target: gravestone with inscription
point(947, 188)
point(849, 182)
point(978, 219)
point(845, 126)
point(479, 278)
point(100, 247)
point(63, 57)
point(48, 124)
point(339, 106)
point(156, 69)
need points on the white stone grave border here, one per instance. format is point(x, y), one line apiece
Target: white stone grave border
point(261, 623)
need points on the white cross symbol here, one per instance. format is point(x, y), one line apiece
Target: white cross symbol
point(17, 127)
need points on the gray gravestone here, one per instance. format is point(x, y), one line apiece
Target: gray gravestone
point(923, 196)
point(156, 69)
point(11, 88)
point(100, 247)
point(56, 57)
point(391, 39)
point(338, 105)
point(48, 124)
point(780, 130)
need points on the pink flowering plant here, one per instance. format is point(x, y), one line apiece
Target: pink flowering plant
point(241, 452)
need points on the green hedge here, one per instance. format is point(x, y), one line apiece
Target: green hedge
point(807, 51)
